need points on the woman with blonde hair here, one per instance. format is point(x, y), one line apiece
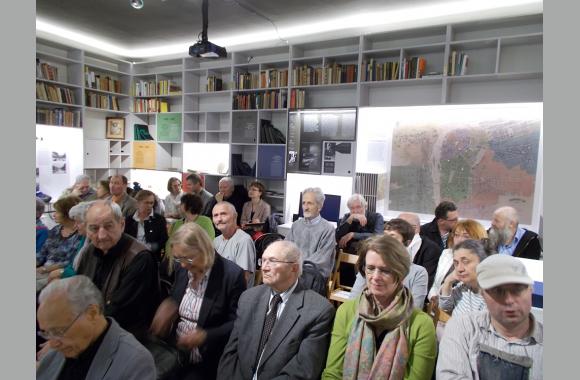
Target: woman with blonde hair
point(379, 334)
point(463, 230)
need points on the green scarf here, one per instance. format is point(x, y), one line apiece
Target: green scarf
point(362, 359)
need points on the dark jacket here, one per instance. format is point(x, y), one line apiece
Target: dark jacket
point(155, 232)
point(218, 309)
point(431, 231)
point(127, 276)
point(374, 226)
point(428, 257)
point(238, 198)
point(529, 246)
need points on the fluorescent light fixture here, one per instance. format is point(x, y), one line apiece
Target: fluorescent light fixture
point(376, 21)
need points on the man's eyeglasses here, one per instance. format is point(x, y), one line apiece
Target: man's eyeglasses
point(262, 262)
point(180, 260)
point(369, 270)
point(59, 333)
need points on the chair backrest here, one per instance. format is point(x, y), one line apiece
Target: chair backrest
point(437, 314)
point(263, 242)
point(311, 278)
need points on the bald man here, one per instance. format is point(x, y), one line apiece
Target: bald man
point(423, 251)
point(510, 238)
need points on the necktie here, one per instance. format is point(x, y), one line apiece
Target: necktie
point(268, 324)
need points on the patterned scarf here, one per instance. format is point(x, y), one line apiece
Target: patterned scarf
point(362, 361)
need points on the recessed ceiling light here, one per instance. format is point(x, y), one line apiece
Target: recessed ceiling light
point(137, 4)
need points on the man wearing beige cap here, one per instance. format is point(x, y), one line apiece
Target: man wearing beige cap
point(505, 342)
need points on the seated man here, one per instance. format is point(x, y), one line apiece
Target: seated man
point(236, 195)
point(313, 234)
point(282, 330)
point(121, 267)
point(82, 189)
point(118, 187)
point(446, 216)
point(234, 244)
point(83, 343)
point(505, 342)
point(416, 280)
point(357, 225)
point(510, 238)
point(195, 186)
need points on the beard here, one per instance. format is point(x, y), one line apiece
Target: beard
point(499, 237)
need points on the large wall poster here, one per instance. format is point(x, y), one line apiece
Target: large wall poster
point(480, 156)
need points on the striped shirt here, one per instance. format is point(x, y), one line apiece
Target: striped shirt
point(189, 311)
point(462, 300)
point(459, 348)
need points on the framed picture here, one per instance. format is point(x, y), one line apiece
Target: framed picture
point(115, 128)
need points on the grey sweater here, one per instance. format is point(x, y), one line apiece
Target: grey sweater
point(316, 241)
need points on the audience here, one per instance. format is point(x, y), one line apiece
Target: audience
point(199, 315)
point(81, 188)
point(118, 186)
point(41, 230)
point(416, 280)
point(380, 335)
point(460, 293)
point(423, 251)
point(504, 342)
point(195, 186)
point(236, 195)
point(510, 239)
point(358, 224)
point(147, 226)
point(103, 190)
point(233, 243)
point(446, 216)
point(173, 199)
point(121, 267)
point(463, 230)
point(62, 241)
point(313, 234)
point(281, 329)
point(82, 342)
point(255, 210)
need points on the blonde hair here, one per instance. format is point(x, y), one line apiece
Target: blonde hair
point(195, 240)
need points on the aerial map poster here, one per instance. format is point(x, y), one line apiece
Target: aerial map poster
point(480, 160)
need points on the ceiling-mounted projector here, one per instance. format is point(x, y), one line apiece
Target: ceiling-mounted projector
point(203, 48)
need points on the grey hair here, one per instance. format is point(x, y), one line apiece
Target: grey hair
point(357, 197)
point(115, 208)
point(228, 180)
point(318, 194)
point(40, 206)
point(78, 212)
point(474, 246)
point(230, 207)
point(82, 177)
point(290, 251)
point(509, 213)
point(80, 292)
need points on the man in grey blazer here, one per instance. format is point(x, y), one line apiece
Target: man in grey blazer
point(82, 342)
point(282, 330)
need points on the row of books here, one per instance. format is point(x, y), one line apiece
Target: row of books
point(58, 116)
point(413, 68)
point(268, 78)
point(150, 105)
point(297, 98)
point(329, 74)
point(101, 82)
point(54, 93)
point(46, 71)
point(214, 84)
point(375, 71)
point(145, 88)
point(109, 102)
point(168, 87)
point(260, 100)
point(458, 62)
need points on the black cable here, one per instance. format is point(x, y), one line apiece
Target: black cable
point(246, 7)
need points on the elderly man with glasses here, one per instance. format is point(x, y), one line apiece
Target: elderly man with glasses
point(83, 343)
point(281, 329)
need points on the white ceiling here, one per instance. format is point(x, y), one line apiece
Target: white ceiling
point(168, 27)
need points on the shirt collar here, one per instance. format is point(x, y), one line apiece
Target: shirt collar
point(136, 216)
point(535, 336)
point(205, 278)
point(315, 220)
point(286, 294)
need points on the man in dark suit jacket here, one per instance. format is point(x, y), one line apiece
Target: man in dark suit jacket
point(509, 238)
point(446, 217)
point(297, 344)
point(92, 347)
point(214, 321)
